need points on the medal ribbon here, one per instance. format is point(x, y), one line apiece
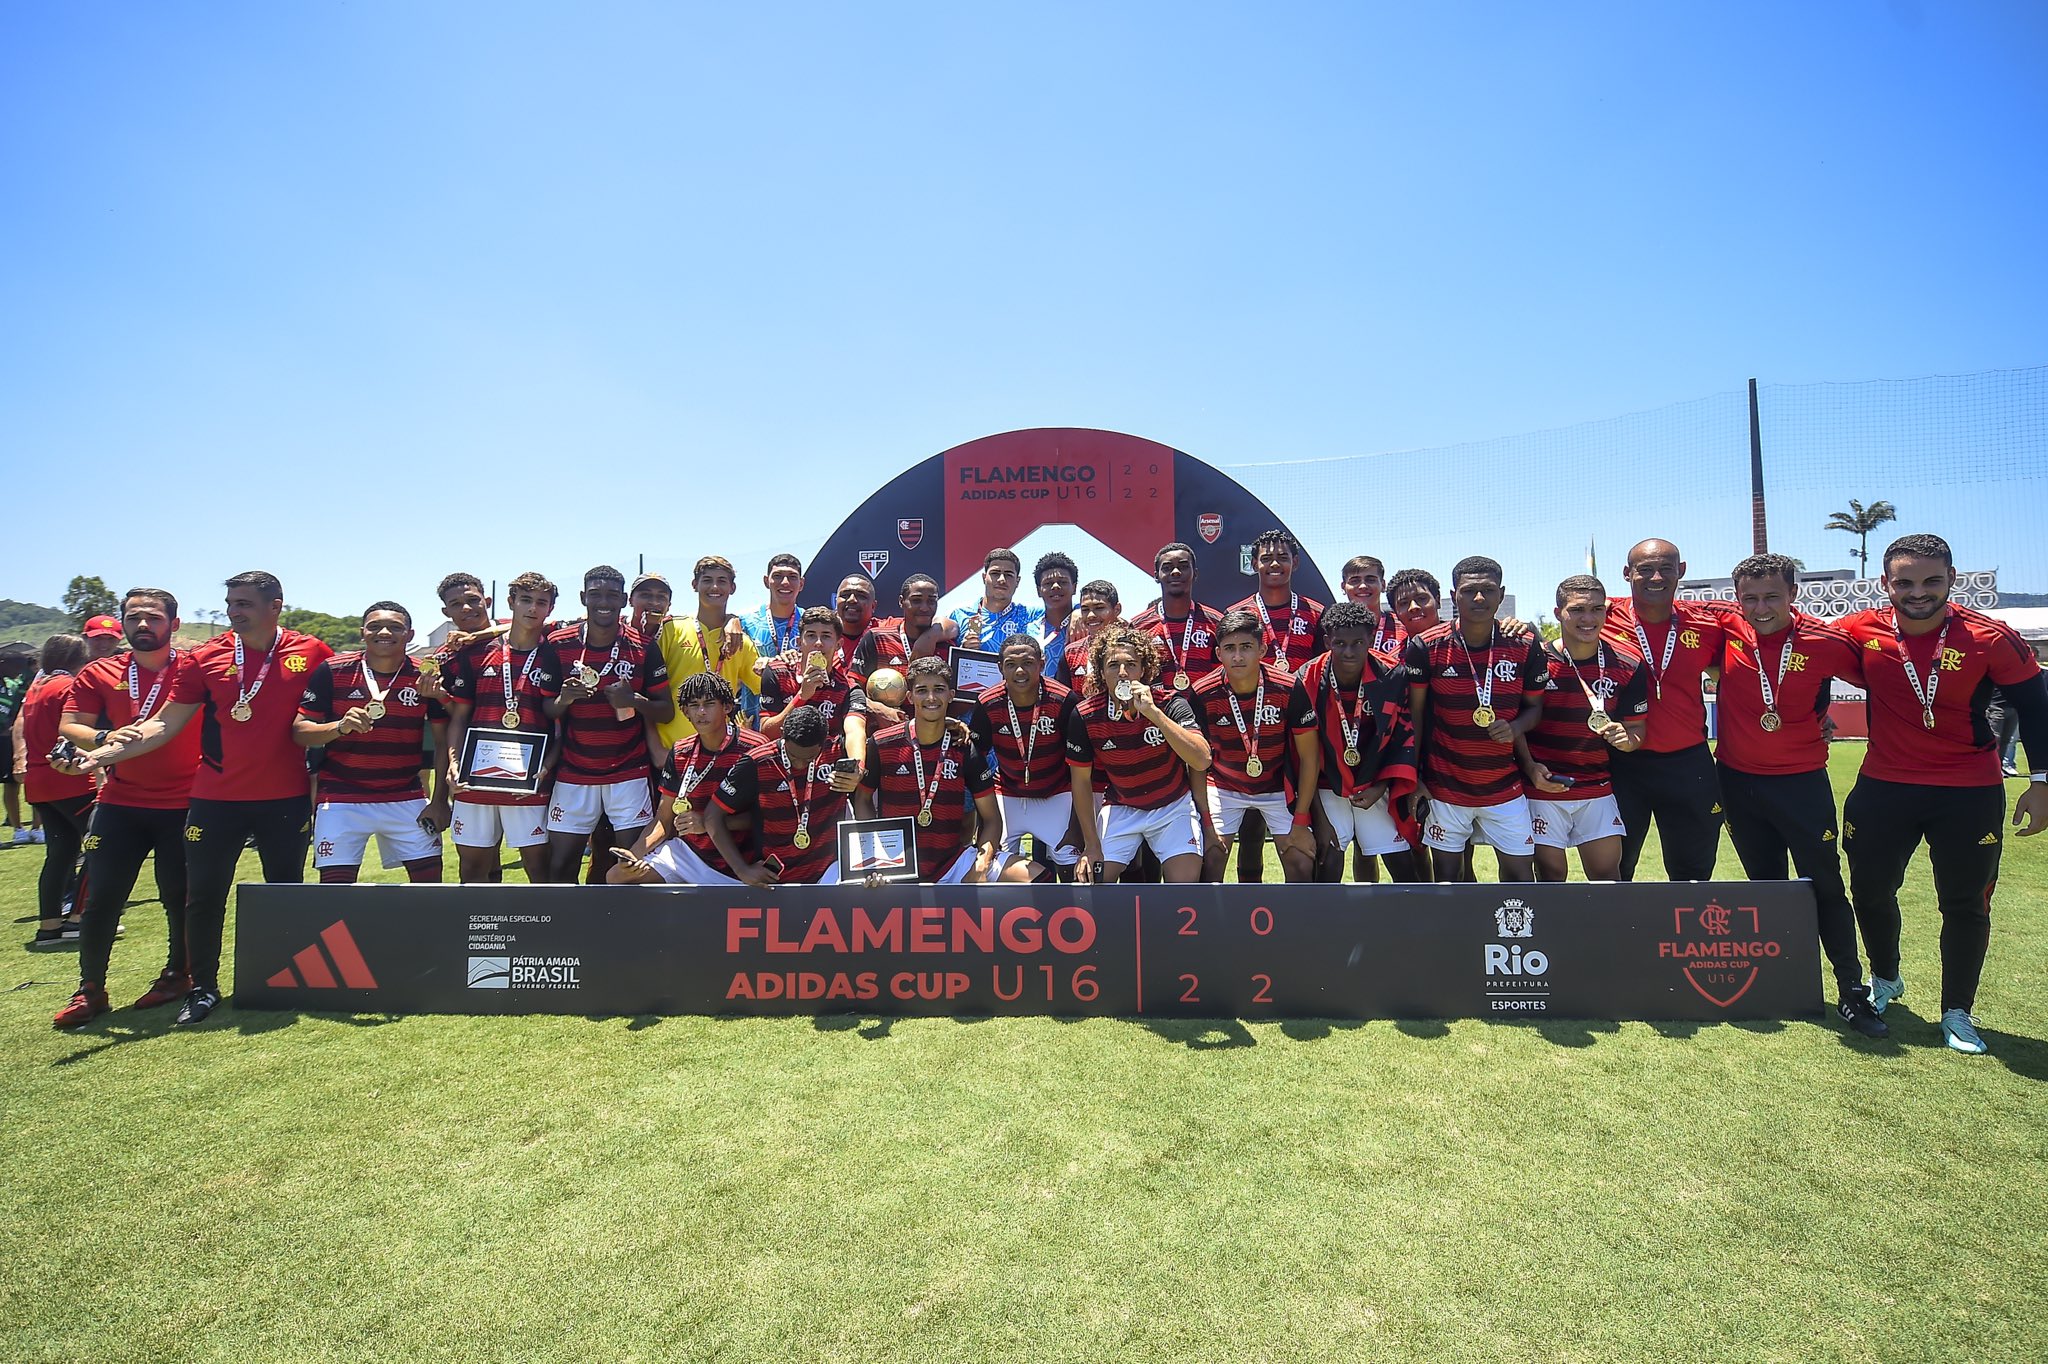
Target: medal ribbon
point(1349, 725)
point(777, 642)
point(803, 805)
point(1266, 621)
point(1764, 682)
point(1187, 636)
point(243, 698)
point(929, 794)
point(1251, 740)
point(1658, 670)
point(712, 662)
point(505, 673)
point(1483, 694)
point(135, 686)
point(1380, 634)
point(1599, 671)
point(690, 772)
point(1017, 733)
point(1926, 693)
point(370, 680)
point(610, 669)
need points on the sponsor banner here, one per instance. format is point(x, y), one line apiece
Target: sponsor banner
point(1699, 951)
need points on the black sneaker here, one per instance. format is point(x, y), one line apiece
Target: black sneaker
point(199, 1004)
point(1855, 1011)
point(48, 940)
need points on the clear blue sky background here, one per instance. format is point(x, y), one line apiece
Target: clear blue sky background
point(364, 292)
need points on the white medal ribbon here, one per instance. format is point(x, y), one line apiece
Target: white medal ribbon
point(376, 692)
point(505, 674)
point(1763, 681)
point(1482, 682)
point(1266, 622)
point(1029, 746)
point(156, 690)
point(1349, 725)
point(1925, 694)
point(243, 698)
point(690, 772)
point(1251, 739)
point(939, 768)
point(1599, 670)
point(803, 805)
point(1658, 670)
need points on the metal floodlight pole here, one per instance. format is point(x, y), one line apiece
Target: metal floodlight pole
point(1760, 538)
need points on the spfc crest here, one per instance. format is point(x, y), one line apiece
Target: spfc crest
point(873, 561)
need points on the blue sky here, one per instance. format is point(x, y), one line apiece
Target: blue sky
point(363, 293)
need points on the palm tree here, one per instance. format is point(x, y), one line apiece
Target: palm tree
point(1859, 521)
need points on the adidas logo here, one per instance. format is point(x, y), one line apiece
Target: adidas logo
point(491, 671)
point(1716, 810)
point(1872, 645)
point(1109, 743)
point(1451, 671)
point(1988, 841)
point(903, 770)
point(314, 970)
point(356, 695)
point(1827, 836)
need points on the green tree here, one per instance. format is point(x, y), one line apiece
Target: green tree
point(86, 598)
point(339, 632)
point(1859, 521)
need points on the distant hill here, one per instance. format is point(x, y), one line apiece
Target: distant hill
point(23, 620)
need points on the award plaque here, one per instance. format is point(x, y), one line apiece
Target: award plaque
point(877, 847)
point(503, 759)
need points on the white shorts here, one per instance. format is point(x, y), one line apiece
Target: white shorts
point(342, 829)
point(957, 873)
point(1169, 831)
point(485, 826)
point(574, 809)
point(1568, 823)
point(677, 863)
point(1504, 827)
point(1371, 831)
point(1227, 808)
point(1045, 818)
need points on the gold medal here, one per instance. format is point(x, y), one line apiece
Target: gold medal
point(587, 675)
point(682, 805)
point(1483, 716)
point(924, 817)
point(375, 710)
point(1181, 681)
point(1596, 720)
point(1770, 722)
point(1926, 716)
point(801, 840)
point(511, 720)
point(1351, 757)
point(1253, 767)
point(242, 711)
point(429, 666)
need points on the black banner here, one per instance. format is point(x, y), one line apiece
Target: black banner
point(1687, 950)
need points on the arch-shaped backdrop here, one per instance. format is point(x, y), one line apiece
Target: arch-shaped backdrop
point(1134, 495)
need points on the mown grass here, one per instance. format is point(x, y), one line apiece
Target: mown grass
point(323, 1187)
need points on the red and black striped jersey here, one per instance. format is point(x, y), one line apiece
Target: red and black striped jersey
point(1073, 664)
point(1134, 765)
point(1561, 741)
point(1270, 721)
point(1978, 653)
point(598, 748)
point(1189, 642)
point(881, 645)
point(1294, 628)
point(997, 723)
point(383, 762)
point(694, 776)
point(839, 697)
point(1681, 650)
point(476, 678)
point(1462, 765)
point(763, 786)
point(1376, 710)
point(954, 773)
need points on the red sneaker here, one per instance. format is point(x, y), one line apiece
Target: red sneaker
point(89, 1003)
point(168, 989)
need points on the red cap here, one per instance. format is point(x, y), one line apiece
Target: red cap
point(103, 626)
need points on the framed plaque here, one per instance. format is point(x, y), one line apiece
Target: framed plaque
point(974, 671)
point(503, 759)
point(878, 847)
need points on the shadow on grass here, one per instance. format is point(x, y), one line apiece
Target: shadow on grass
point(869, 1027)
point(1200, 1034)
point(2026, 1057)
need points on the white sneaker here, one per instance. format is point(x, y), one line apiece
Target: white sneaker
point(1959, 1030)
point(35, 835)
point(24, 835)
point(1883, 992)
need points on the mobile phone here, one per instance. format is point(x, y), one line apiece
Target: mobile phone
point(774, 864)
point(846, 765)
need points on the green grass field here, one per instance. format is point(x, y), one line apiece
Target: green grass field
point(351, 1188)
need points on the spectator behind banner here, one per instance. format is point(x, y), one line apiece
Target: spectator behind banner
point(62, 802)
point(17, 665)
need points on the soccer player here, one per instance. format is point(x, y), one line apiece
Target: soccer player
point(1417, 600)
point(1595, 695)
point(1931, 771)
point(1255, 720)
point(1671, 776)
point(998, 614)
point(252, 780)
point(366, 710)
point(504, 683)
point(1023, 721)
point(1364, 582)
point(1144, 751)
point(795, 793)
point(774, 628)
point(676, 847)
point(1365, 752)
point(1185, 628)
point(649, 600)
point(1776, 666)
point(61, 798)
point(1293, 623)
point(862, 648)
point(929, 770)
point(917, 633)
point(709, 641)
point(1057, 576)
point(141, 807)
point(818, 680)
point(1100, 607)
point(1471, 691)
point(612, 685)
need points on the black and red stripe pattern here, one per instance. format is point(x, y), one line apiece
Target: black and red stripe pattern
point(598, 748)
point(764, 786)
point(383, 762)
point(1282, 713)
point(1561, 741)
point(1462, 764)
point(1047, 774)
point(1133, 764)
point(705, 772)
point(1198, 628)
point(961, 774)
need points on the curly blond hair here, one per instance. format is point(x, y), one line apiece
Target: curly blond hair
point(1118, 635)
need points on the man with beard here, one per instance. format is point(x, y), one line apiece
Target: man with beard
point(141, 808)
point(1931, 771)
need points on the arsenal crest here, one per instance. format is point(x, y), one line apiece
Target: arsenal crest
point(910, 531)
point(873, 561)
point(1210, 526)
